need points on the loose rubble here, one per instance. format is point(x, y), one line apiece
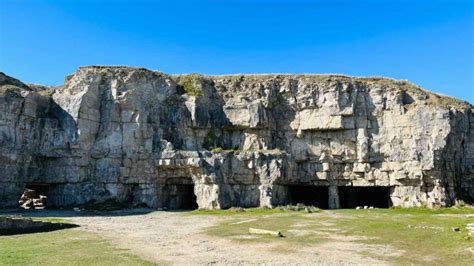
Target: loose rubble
point(30, 199)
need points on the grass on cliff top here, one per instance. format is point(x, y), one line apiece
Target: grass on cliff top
point(431, 98)
point(418, 235)
point(189, 84)
point(10, 90)
point(63, 247)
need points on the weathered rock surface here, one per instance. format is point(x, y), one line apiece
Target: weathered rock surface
point(139, 137)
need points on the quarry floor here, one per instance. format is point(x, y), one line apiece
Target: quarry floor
point(177, 238)
point(326, 237)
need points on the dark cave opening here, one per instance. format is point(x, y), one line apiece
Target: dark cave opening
point(181, 197)
point(309, 195)
point(352, 197)
point(133, 194)
point(34, 196)
point(39, 189)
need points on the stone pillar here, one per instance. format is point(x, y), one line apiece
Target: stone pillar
point(333, 198)
point(266, 195)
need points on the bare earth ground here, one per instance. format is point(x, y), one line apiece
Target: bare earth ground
point(178, 238)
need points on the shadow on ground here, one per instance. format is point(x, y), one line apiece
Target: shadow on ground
point(21, 225)
point(64, 213)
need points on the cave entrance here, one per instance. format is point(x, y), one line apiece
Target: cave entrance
point(181, 194)
point(39, 189)
point(352, 197)
point(34, 196)
point(133, 198)
point(182, 197)
point(309, 195)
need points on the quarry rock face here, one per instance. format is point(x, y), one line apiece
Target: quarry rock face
point(146, 138)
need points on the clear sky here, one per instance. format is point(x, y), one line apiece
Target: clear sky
point(427, 42)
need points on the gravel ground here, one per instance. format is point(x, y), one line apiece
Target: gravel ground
point(177, 238)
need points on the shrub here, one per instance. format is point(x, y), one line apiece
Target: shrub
point(188, 83)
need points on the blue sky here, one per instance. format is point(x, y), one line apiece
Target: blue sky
point(427, 42)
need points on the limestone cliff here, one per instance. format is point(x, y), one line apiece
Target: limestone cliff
point(137, 136)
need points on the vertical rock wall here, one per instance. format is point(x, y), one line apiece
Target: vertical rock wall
point(141, 137)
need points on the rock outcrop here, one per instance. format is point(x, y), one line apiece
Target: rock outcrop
point(143, 137)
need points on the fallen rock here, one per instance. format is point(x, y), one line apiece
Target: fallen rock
point(265, 232)
point(30, 199)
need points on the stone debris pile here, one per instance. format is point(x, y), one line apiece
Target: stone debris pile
point(30, 199)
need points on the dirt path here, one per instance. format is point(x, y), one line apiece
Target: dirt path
point(177, 238)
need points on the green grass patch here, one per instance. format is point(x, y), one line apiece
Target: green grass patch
point(189, 84)
point(250, 211)
point(420, 210)
point(11, 91)
point(237, 229)
point(64, 247)
point(233, 212)
point(423, 236)
point(50, 220)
